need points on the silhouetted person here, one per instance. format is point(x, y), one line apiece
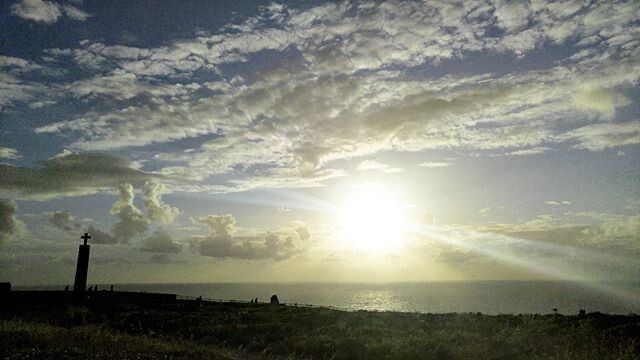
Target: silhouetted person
point(111, 287)
point(256, 300)
point(95, 288)
point(66, 288)
point(274, 300)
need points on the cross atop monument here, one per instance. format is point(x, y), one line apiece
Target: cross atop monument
point(85, 237)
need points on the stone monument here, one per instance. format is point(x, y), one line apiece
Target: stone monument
point(82, 268)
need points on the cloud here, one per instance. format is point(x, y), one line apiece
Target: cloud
point(435, 164)
point(219, 225)
point(69, 174)
point(132, 220)
point(9, 153)
point(16, 65)
point(75, 13)
point(156, 209)
point(603, 136)
point(303, 232)
point(531, 151)
point(13, 89)
point(271, 246)
point(160, 242)
point(455, 257)
point(603, 101)
point(556, 203)
point(47, 12)
point(613, 233)
point(375, 165)
point(222, 243)
point(347, 90)
point(100, 237)
point(8, 221)
point(37, 10)
point(63, 220)
point(571, 245)
point(283, 209)
point(512, 16)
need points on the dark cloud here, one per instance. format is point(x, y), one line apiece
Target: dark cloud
point(100, 237)
point(561, 234)
point(132, 220)
point(303, 232)
point(456, 257)
point(555, 236)
point(272, 246)
point(69, 174)
point(223, 244)
point(160, 242)
point(63, 220)
point(8, 222)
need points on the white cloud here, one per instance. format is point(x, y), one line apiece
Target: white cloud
point(435, 164)
point(557, 203)
point(531, 151)
point(602, 136)
point(512, 16)
point(344, 90)
point(156, 209)
point(9, 153)
point(75, 13)
point(37, 10)
point(375, 165)
point(17, 65)
point(604, 101)
point(47, 12)
point(13, 89)
point(219, 225)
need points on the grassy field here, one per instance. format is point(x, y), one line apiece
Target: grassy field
point(185, 330)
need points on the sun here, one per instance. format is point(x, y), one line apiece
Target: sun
point(372, 219)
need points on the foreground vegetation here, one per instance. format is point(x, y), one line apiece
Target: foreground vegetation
point(188, 330)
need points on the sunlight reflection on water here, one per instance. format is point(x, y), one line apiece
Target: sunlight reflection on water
point(380, 300)
point(490, 297)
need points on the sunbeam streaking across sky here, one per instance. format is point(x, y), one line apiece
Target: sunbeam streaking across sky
point(510, 250)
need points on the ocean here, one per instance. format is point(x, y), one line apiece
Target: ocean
point(488, 297)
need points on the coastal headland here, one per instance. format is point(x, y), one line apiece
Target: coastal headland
point(122, 325)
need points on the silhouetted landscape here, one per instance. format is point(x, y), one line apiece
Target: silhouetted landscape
point(190, 329)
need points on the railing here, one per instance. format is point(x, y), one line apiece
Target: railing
point(233, 301)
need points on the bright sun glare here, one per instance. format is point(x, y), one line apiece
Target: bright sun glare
point(372, 219)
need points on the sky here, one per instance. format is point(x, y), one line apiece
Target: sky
point(368, 141)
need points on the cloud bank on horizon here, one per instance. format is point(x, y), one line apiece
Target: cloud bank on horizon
point(195, 100)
